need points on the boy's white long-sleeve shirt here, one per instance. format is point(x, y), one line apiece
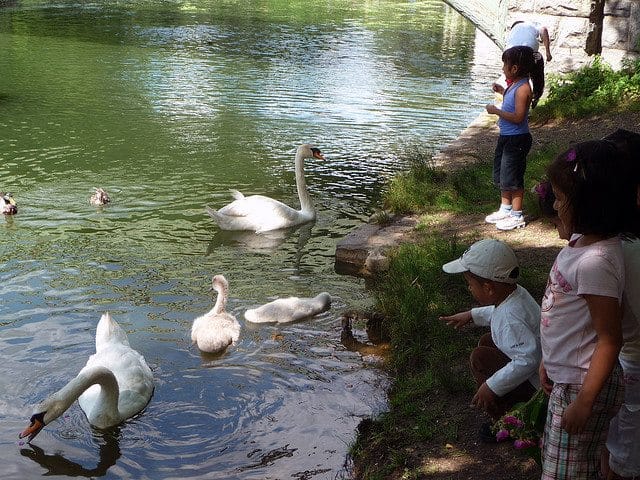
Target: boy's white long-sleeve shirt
point(515, 330)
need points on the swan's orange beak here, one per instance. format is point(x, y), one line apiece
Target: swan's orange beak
point(32, 430)
point(317, 154)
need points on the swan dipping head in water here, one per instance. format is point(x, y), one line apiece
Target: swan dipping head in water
point(291, 309)
point(114, 385)
point(216, 330)
point(8, 204)
point(99, 197)
point(262, 214)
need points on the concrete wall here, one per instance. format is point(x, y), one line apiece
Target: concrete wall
point(573, 26)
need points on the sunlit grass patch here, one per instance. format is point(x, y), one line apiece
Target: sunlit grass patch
point(593, 89)
point(425, 186)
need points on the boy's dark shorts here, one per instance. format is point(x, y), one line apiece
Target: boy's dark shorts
point(510, 161)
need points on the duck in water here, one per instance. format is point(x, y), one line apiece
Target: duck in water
point(99, 197)
point(8, 204)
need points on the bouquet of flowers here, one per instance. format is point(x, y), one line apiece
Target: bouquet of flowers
point(524, 425)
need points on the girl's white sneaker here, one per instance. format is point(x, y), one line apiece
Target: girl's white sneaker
point(511, 222)
point(495, 217)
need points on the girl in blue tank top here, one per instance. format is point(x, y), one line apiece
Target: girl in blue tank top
point(514, 143)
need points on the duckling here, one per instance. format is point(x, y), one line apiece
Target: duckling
point(99, 197)
point(290, 309)
point(214, 331)
point(8, 204)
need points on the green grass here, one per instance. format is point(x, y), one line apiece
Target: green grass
point(422, 185)
point(426, 188)
point(427, 355)
point(429, 359)
point(593, 89)
point(413, 297)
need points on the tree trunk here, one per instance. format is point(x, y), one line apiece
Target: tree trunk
point(593, 45)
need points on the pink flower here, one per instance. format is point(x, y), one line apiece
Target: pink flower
point(502, 435)
point(520, 444)
point(541, 189)
point(571, 155)
point(511, 420)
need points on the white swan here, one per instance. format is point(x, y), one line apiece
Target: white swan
point(115, 384)
point(99, 197)
point(216, 330)
point(260, 213)
point(291, 309)
point(7, 204)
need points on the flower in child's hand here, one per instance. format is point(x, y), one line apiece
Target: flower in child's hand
point(511, 420)
point(571, 155)
point(502, 435)
point(524, 424)
point(526, 443)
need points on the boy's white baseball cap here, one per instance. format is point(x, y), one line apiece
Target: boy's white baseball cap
point(488, 258)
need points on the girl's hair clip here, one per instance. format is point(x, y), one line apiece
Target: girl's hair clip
point(571, 157)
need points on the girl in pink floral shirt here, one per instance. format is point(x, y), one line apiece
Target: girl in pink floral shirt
point(580, 321)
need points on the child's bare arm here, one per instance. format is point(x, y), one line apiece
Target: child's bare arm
point(523, 99)
point(545, 382)
point(605, 316)
point(458, 320)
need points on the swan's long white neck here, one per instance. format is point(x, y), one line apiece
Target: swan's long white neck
point(221, 300)
point(306, 205)
point(107, 401)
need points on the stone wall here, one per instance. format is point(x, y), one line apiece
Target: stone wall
point(572, 24)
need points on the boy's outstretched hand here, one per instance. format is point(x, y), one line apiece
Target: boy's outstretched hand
point(458, 320)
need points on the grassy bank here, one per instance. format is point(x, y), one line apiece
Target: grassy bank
point(429, 362)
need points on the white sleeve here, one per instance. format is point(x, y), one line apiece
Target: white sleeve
point(482, 315)
point(521, 345)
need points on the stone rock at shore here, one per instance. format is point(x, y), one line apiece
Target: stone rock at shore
point(362, 253)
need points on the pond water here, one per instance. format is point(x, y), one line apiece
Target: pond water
point(167, 105)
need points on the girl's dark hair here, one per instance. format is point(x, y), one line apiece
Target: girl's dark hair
point(520, 56)
point(629, 143)
point(600, 182)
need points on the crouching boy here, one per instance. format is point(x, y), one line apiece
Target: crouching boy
point(505, 362)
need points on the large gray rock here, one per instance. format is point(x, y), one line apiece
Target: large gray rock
point(363, 252)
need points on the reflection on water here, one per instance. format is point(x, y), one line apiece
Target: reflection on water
point(57, 464)
point(261, 242)
point(167, 105)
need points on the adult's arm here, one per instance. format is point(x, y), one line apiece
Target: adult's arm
point(544, 35)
